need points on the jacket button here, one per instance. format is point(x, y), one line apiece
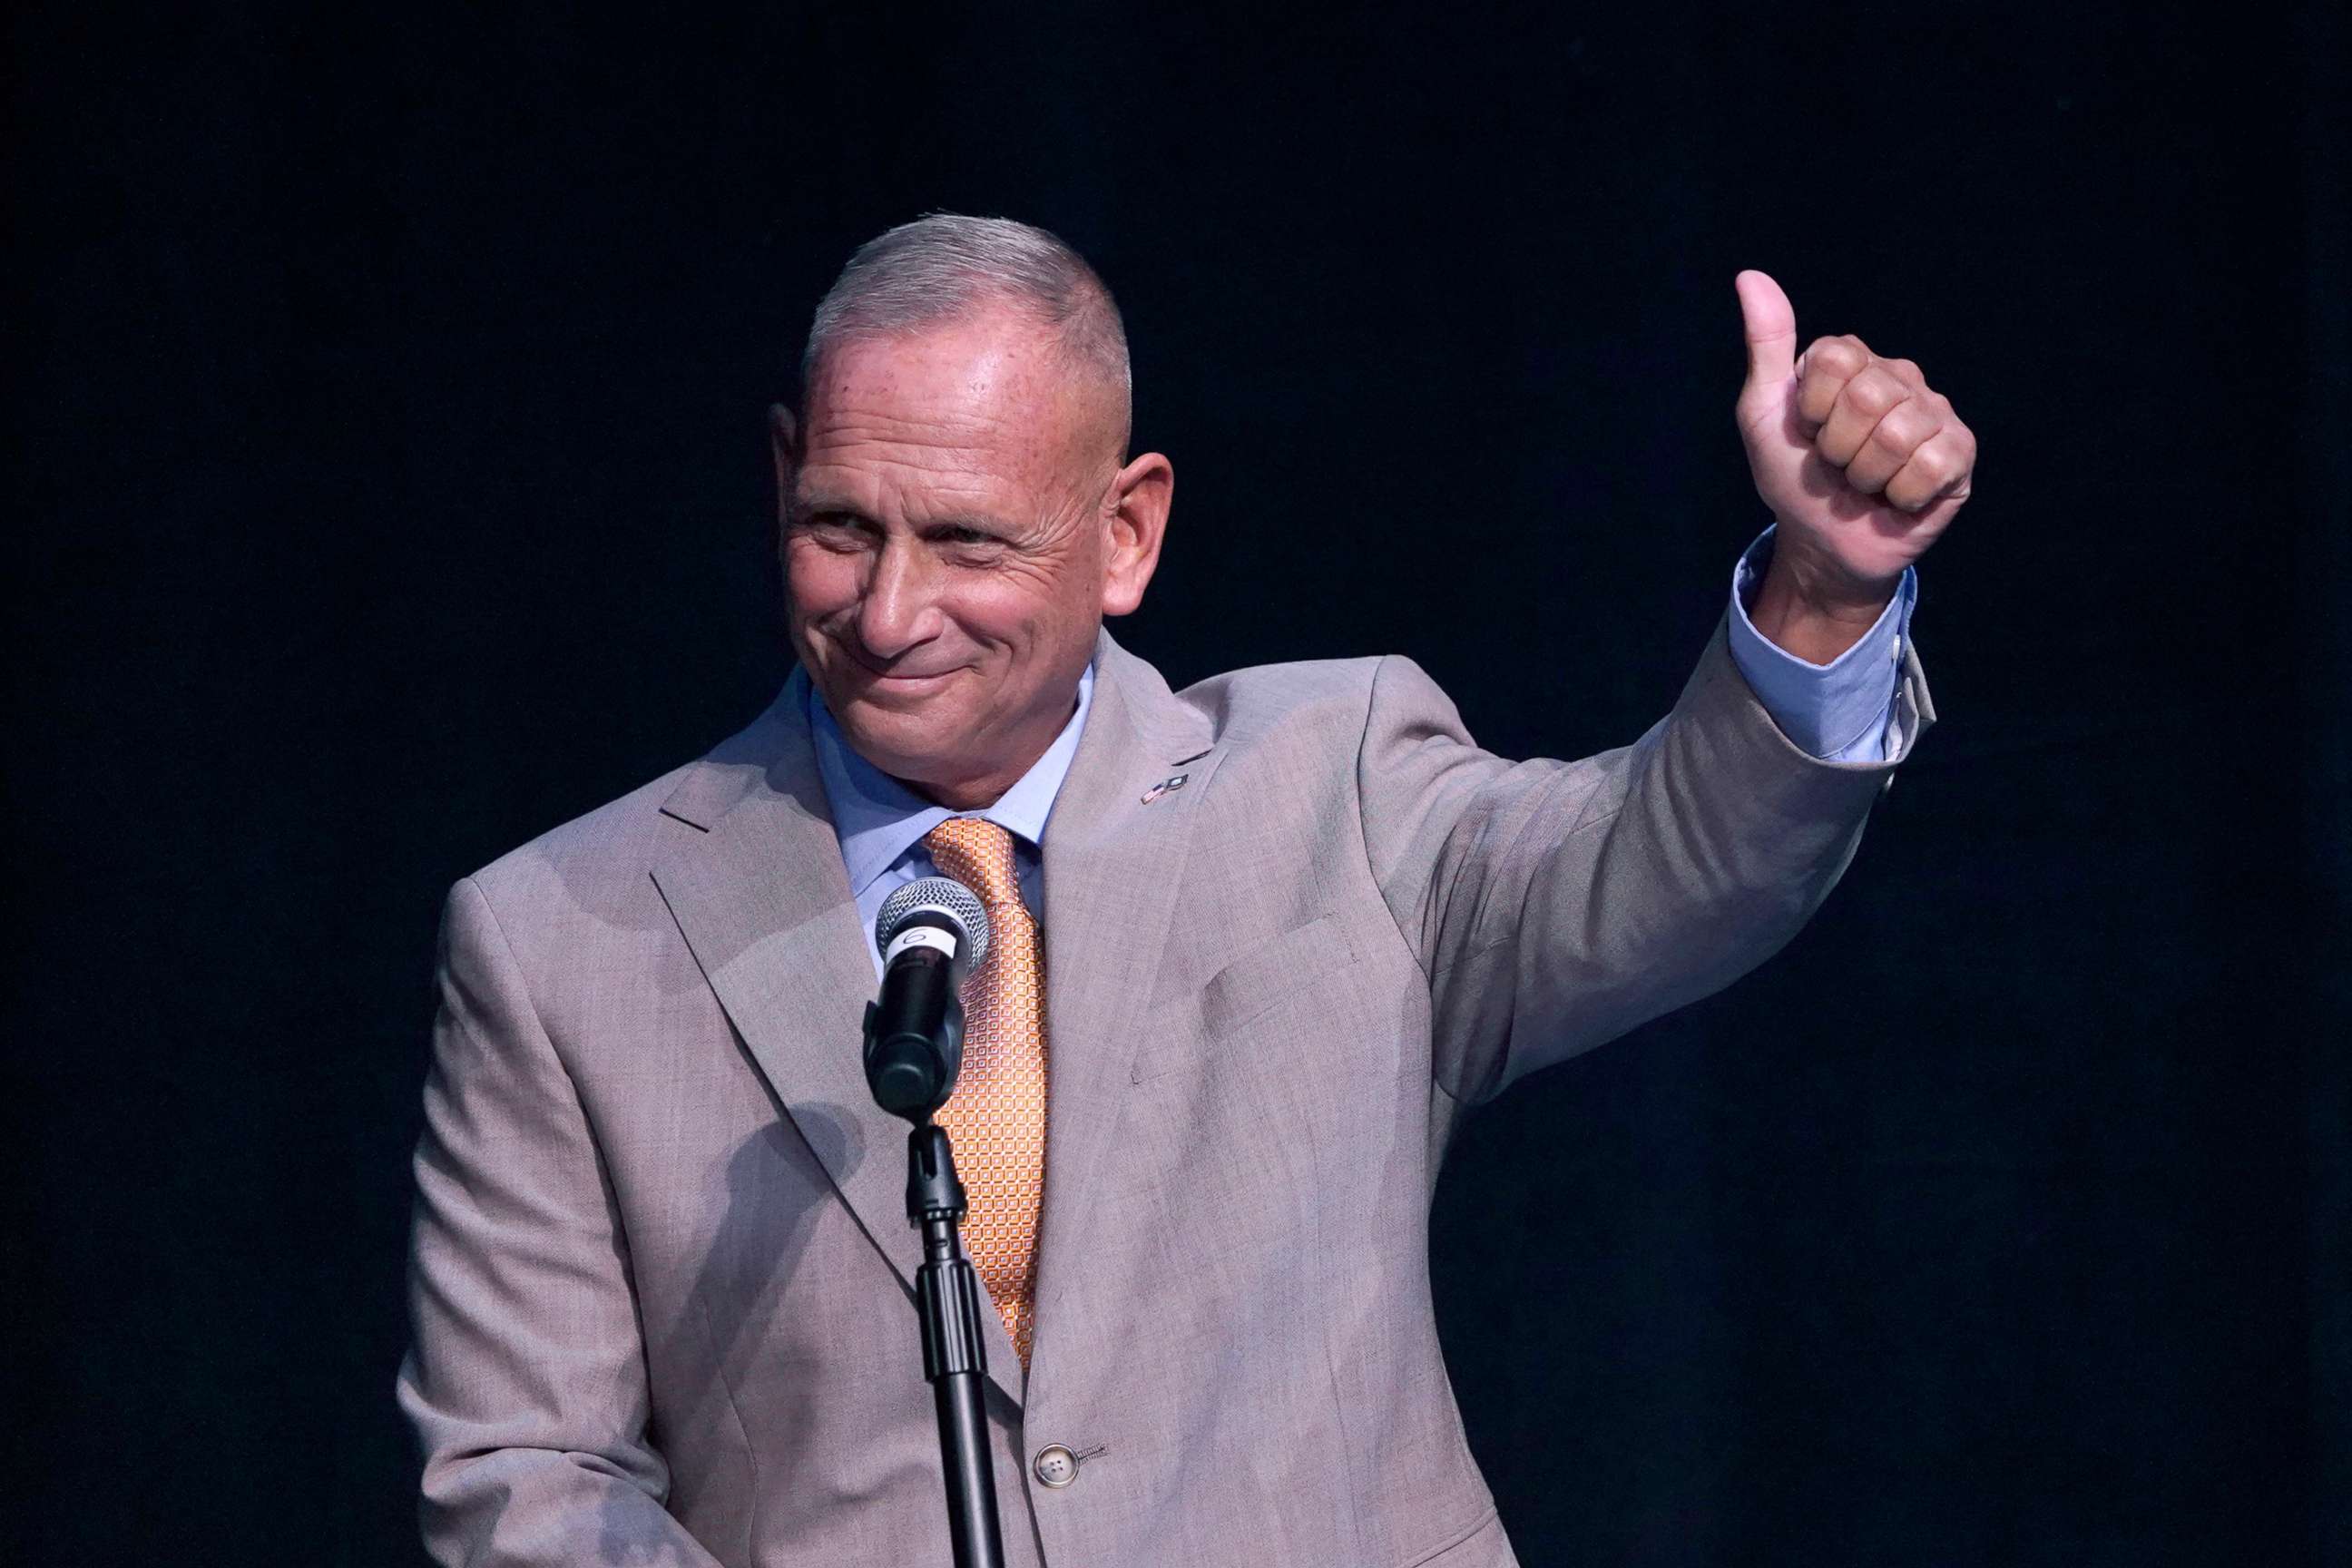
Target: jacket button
point(1056, 1465)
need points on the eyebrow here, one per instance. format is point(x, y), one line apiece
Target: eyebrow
point(823, 505)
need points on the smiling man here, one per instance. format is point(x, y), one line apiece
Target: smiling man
point(960, 517)
point(1259, 943)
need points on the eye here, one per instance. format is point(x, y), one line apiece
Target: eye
point(838, 531)
point(964, 542)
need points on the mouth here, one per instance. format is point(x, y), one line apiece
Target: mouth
point(895, 682)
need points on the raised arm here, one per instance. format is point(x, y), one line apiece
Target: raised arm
point(1556, 905)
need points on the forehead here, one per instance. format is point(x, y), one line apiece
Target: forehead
point(961, 413)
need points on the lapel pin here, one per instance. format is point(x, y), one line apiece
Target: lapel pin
point(1165, 786)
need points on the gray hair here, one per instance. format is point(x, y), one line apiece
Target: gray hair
point(942, 266)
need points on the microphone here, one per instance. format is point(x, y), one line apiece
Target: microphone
point(932, 933)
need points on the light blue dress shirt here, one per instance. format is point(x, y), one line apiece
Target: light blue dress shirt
point(1839, 711)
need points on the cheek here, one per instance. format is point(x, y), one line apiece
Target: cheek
point(988, 615)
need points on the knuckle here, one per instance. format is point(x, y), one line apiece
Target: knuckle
point(1938, 467)
point(1899, 432)
point(1873, 392)
point(1836, 356)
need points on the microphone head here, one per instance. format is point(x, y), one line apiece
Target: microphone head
point(935, 902)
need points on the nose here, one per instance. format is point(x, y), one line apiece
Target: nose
point(895, 613)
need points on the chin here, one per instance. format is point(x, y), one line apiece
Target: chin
point(909, 742)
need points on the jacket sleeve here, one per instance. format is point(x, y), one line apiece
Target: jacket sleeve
point(1554, 906)
point(525, 1378)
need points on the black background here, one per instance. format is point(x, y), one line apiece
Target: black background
point(391, 486)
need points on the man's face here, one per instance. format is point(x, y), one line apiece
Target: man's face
point(955, 524)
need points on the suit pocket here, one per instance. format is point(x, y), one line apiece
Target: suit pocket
point(1253, 985)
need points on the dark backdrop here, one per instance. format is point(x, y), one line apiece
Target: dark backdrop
point(391, 486)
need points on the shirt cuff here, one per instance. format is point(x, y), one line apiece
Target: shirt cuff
point(1838, 712)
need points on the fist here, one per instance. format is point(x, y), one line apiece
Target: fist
point(1862, 463)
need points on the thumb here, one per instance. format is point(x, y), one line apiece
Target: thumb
point(1771, 323)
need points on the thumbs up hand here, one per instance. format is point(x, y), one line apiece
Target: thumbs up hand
point(1862, 464)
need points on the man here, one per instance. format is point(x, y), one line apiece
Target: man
point(1259, 946)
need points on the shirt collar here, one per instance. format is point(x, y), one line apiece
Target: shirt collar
point(877, 819)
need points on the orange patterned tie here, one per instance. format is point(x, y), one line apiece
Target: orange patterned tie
point(996, 1117)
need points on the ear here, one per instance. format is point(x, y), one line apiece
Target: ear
point(784, 442)
point(1135, 518)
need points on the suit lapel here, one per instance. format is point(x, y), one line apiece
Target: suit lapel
point(761, 896)
point(762, 901)
point(1112, 865)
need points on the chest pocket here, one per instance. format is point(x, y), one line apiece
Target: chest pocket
point(1253, 986)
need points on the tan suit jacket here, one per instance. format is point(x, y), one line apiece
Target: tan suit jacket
point(661, 1268)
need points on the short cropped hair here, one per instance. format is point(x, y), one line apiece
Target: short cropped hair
point(943, 265)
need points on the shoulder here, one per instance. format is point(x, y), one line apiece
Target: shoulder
point(620, 831)
point(608, 852)
point(1319, 702)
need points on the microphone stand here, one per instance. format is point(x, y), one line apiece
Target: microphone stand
point(955, 1359)
point(914, 1046)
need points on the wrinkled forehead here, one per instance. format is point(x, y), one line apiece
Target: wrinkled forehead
point(985, 382)
point(988, 397)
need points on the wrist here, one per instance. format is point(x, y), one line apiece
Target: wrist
point(1813, 611)
point(1800, 579)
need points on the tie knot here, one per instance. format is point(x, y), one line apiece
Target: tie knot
point(977, 853)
